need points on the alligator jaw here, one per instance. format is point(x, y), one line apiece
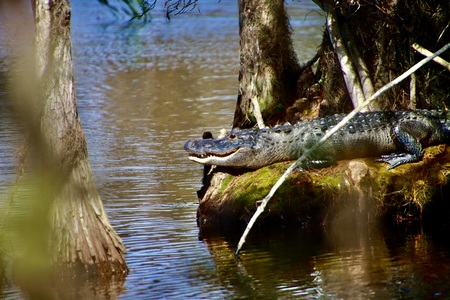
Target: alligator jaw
point(212, 159)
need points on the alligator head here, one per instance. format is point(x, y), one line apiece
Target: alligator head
point(238, 149)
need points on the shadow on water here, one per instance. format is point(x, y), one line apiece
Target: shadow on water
point(379, 261)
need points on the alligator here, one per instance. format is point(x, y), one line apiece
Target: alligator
point(396, 136)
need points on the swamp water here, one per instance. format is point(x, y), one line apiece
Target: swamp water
point(142, 90)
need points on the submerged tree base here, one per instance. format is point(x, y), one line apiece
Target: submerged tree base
point(360, 187)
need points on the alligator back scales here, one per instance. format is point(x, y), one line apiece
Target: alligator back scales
point(397, 136)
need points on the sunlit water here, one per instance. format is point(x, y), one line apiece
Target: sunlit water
point(142, 90)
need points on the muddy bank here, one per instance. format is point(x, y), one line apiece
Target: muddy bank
point(360, 187)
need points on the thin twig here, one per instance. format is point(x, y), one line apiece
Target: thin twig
point(256, 108)
point(257, 113)
point(412, 85)
point(299, 161)
point(309, 63)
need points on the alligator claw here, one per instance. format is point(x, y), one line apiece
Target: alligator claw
point(396, 159)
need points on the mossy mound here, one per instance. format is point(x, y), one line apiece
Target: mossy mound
point(361, 186)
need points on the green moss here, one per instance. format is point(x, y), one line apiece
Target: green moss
point(318, 195)
point(226, 182)
point(253, 186)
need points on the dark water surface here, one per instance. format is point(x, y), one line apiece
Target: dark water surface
point(143, 89)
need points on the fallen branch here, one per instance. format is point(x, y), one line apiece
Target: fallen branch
point(427, 53)
point(299, 161)
point(352, 82)
point(362, 71)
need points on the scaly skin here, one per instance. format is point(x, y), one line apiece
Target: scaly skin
point(397, 136)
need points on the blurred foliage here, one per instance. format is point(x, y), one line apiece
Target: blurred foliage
point(139, 9)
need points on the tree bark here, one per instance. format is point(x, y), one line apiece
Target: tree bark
point(269, 68)
point(81, 231)
point(71, 226)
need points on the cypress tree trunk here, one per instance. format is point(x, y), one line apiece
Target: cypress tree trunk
point(68, 226)
point(80, 230)
point(377, 42)
point(269, 68)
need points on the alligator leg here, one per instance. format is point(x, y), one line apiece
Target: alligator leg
point(408, 142)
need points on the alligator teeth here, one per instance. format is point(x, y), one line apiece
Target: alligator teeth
point(206, 155)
